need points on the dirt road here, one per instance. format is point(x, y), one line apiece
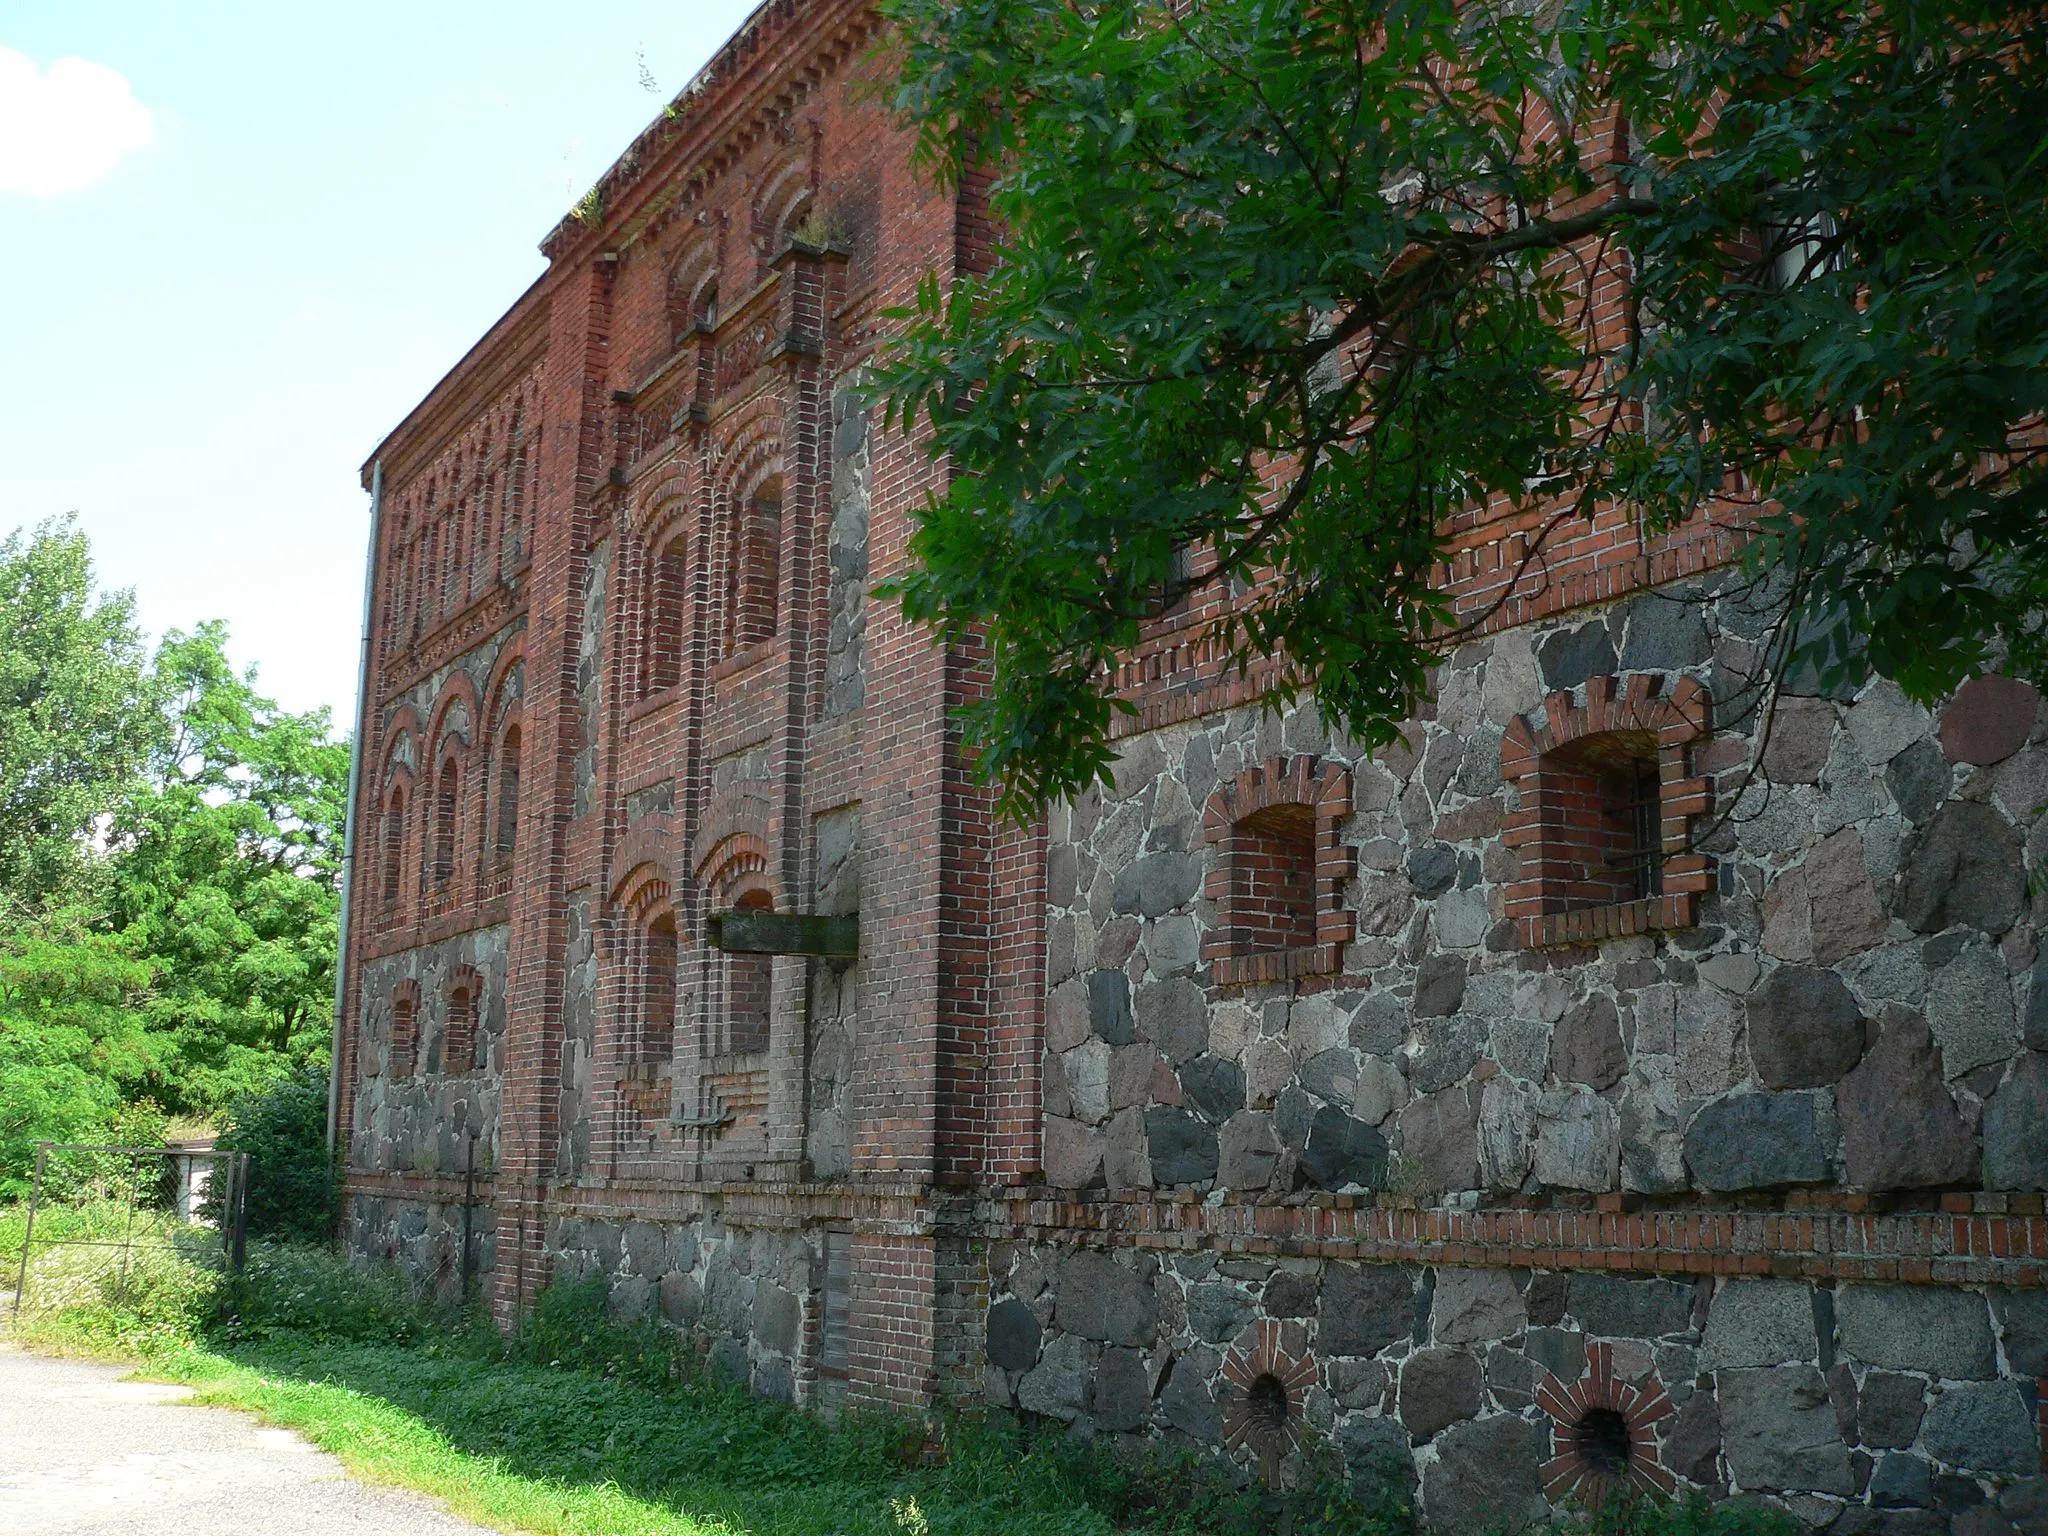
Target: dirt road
point(81, 1450)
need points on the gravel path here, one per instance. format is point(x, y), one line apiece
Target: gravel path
point(81, 1450)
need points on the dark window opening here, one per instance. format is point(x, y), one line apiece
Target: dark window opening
point(749, 980)
point(1266, 1399)
point(1601, 1440)
point(1179, 585)
point(1272, 858)
point(658, 990)
point(508, 796)
point(665, 601)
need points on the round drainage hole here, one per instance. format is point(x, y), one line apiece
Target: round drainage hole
point(1602, 1440)
point(1267, 1400)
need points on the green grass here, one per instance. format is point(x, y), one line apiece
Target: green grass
point(533, 1448)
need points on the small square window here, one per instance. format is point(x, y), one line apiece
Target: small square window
point(1604, 807)
point(1278, 875)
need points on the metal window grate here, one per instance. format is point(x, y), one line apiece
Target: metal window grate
point(1646, 821)
point(834, 1352)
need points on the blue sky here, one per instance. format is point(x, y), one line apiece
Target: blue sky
point(228, 278)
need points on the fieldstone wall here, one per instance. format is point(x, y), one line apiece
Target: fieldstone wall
point(424, 1238)
point(749, 1296)
point(421, 1124)
point(1857, 1021)
point(1859, 1005)
point(1856, 1407)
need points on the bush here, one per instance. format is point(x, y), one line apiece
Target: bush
point(292, 1185)
point(571, 1327)
point(1690, 1516)
point(293, 1288)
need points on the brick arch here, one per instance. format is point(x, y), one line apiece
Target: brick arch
point(404, 728)
point(643, 854)
point(741, 459)
point(695, 267)
point(1321, 795)
point(789, 184)
point(645, 891)
point(1670, 716)
point(1267, 1374)
point(669, 517)
point(460, 688)
point(511, 657)
point(1575, 1474)
point(388, 887)
point(448, 745)
point(732, 861)
point(729, 814)
point(665, 497)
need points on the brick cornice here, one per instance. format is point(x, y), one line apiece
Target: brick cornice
point(1917, 1247)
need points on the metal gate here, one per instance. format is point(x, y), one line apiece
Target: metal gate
point(100, 1217)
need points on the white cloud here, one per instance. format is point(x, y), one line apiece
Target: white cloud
point(65, 128)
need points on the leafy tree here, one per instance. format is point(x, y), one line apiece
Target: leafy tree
point(78, 715)
point(73, 1045)
point(224, 871)
point(283, 1126)
point(1284, 286)
point(169, 855)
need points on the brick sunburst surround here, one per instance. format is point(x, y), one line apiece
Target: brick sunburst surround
point(1552, 819)
point(1278, 791)
point(1603, 1434)
point(1269, 1375)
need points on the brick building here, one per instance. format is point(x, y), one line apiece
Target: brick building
point(1443, 1103)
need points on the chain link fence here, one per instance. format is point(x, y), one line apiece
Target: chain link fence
point(106, 1222)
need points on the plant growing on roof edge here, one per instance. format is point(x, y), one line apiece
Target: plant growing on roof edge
point(1295, 284)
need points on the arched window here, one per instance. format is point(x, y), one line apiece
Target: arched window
point(405, 1039)
point(1271, 855)
point(394, 846)
point(507, 832)
point(757, 573)
point(657, 1042)
point(749, 980)
point(1604, 808)
point(693, 296)
point(458, 1040)
point(447, 800)
point(1278, 872)
point(782, 210)
point(666, 600)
